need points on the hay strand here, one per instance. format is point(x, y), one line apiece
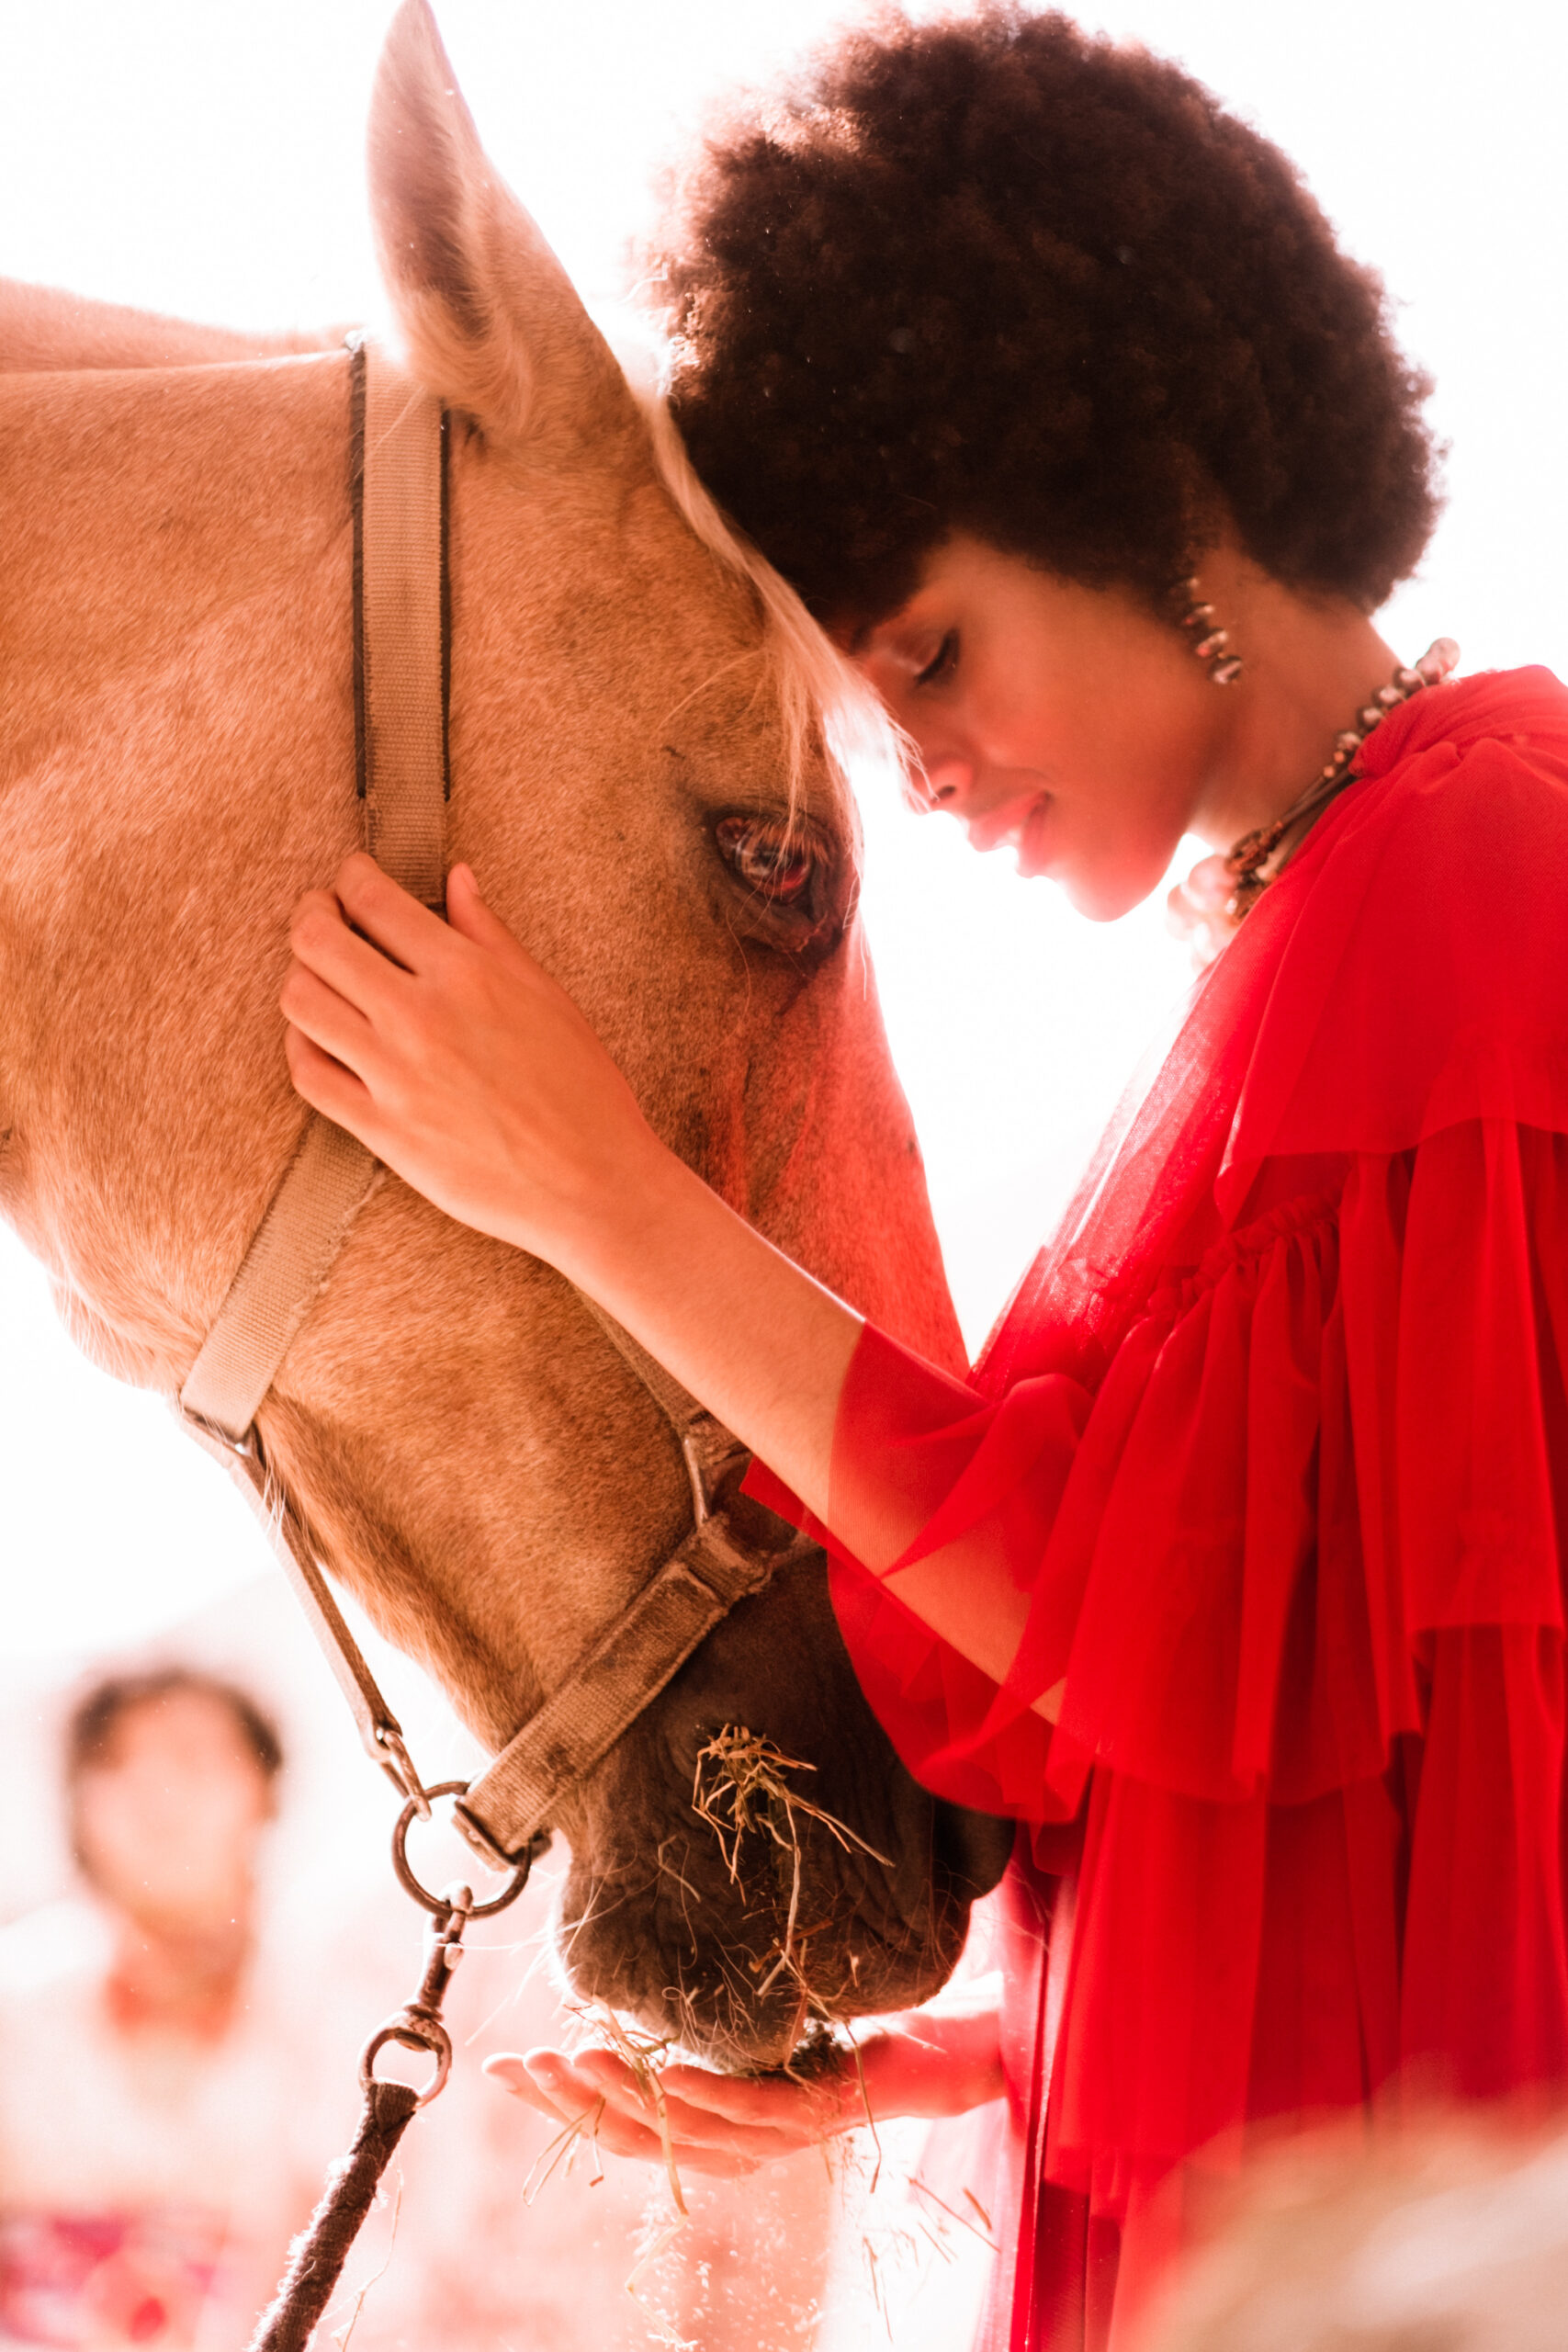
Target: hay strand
point(741, 1789)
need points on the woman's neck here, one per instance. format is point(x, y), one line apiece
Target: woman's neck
point(1309, 664)
point(173, 1979)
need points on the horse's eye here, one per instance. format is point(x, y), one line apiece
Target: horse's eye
point(775, 859)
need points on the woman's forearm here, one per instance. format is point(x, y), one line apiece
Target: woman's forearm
point(940, 2060)
point(767, 1350)
point(744, 1328)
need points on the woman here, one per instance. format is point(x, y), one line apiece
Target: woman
point(1234, 1573)
point(155, 2155)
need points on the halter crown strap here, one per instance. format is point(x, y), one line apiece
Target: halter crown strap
point(401, 623)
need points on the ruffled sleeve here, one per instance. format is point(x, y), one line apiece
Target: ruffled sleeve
point(1343, 1433)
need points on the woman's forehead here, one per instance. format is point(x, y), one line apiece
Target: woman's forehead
point(194, 1724)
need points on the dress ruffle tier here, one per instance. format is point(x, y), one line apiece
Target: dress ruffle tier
point(1274, 1439)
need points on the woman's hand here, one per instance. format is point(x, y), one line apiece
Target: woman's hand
point(940, 2060)
point(726, 2125)
point(456, 1058)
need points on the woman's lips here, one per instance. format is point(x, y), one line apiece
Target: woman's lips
point(1018, 825)
point(1034, 848)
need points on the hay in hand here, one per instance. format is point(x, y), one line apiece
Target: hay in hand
point(562, 2150)
point(641, 2054)
point(739, 1788)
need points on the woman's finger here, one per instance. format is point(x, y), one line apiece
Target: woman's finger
point(390, 916)
point(309, 1005)
point(774, 2102)
point(469, 916)
point(512, 2073)
point(324, 942)
point(697, 2136)
point(548, 2083)
point(328, 1086)
point(692, 2131)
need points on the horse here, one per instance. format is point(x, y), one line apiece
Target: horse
point(642, 722)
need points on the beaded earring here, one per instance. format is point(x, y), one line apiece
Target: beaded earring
point(1210, 645)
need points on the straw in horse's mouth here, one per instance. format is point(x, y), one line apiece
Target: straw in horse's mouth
point(741, 1788)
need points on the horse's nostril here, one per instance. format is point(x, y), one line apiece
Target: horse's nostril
point(972, 1848)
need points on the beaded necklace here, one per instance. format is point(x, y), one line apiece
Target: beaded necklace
point(1222, 889)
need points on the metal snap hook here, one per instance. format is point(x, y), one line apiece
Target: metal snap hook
point(410, 2030)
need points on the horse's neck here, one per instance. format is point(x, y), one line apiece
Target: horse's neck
point(141, 505)
point(45, 327)
point(177, 764)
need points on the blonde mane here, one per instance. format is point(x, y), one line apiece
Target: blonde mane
point(824, 702)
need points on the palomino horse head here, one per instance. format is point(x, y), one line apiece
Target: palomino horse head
point(471, 1455)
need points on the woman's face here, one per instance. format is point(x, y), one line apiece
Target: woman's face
point(169, 1818)
point(1068, 723)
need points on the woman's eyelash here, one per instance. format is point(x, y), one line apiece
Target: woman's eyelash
point(940, 662)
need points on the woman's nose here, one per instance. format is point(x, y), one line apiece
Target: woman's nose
point(945, 782)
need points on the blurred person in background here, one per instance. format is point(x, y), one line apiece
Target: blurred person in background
point(178, 2053)
point(154, 2150)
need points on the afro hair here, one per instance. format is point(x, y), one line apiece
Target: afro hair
point(994, 274)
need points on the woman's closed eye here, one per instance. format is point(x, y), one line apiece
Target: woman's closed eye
point(942, 663)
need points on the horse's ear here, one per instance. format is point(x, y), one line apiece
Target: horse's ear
point(491, 321)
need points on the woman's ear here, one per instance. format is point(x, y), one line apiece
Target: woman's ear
point(491, 323)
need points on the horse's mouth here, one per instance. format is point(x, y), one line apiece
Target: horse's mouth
point(732, 1884)
point(744, 1973)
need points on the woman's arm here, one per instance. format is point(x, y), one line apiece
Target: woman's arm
point(940, 2060)
point(458, 1060)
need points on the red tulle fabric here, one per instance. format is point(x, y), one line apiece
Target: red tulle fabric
point(1274, 1437)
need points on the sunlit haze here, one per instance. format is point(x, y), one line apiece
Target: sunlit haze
point(203, 157)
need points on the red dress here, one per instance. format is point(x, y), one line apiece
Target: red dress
point(1274, 1436)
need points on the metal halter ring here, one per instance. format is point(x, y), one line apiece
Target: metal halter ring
point(438, 1906)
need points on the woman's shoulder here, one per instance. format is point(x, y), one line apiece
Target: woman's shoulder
point(1471, 774)
point(1510, 707)
point(1416, 972)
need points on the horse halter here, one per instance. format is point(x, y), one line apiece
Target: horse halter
point(403, 634)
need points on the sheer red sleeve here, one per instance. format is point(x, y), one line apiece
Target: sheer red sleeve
point(925, 1468)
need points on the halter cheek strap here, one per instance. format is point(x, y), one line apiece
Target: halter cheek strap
point(402, 676)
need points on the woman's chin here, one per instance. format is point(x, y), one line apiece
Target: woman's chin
point(1100, 898)
point(1101, 890)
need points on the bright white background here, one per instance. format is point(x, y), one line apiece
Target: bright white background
point(203, 157)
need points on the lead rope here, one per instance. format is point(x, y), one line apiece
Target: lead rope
point(317, 2256)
